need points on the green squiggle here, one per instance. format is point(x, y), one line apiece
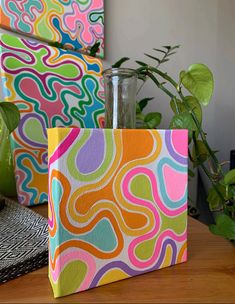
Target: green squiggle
point(70, 279)
point(141, 188)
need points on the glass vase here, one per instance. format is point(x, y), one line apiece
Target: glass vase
point(120, 98)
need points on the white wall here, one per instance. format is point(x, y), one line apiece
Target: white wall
point(224, 121)
point(204, 29)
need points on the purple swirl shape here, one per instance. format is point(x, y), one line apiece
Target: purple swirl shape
point(91, 154)
point(43, 77)
point(24, 51)
point(131, 272)
point(45, 158)
point(182, 160)
point(25, 138)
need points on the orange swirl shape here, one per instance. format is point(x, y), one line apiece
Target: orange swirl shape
point(57, 56)
point(86, 201)
point(21, 151)
point(131, 159)
point(182, 255)
point(77, 230)
point(8, 83)
point(28, 105)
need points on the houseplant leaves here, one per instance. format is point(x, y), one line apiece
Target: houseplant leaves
point(224, 226)
point(153, 120)
point(200, 153)
point(198, 80)
point(10, 115)
point(229, 178)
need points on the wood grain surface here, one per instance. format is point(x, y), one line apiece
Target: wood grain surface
point(207, 277)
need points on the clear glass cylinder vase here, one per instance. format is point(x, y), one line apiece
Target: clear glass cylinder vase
point(120, 98)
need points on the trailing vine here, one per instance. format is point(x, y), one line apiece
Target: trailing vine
point(187, 97)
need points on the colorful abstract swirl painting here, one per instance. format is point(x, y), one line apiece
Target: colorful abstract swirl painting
point(117, 204)
point(76, 24)
point(52, 88)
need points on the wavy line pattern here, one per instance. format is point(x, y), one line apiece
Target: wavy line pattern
point(51, 88)
point(75, 24)
point(117, 204)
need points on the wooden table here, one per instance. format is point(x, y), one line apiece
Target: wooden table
point(207, 277)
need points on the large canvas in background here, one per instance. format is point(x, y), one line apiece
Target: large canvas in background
point(76, 24)
point(117, 204)
point(51, 87)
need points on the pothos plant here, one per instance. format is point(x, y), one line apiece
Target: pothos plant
point(9, 115)
point(188, 95)
point(9, 120)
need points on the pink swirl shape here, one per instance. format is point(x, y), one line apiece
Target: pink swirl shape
point(75, 255)
point(20, 178)
point(62, 148)
point(64, 145)
point(157, 199)
point(175, 183)
point(81, 17)
point(177, 139)
point(167, 234)
point(153, 233)
point(53, 106)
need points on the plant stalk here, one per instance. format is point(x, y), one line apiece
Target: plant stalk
point(178, 89)
point(147, 70)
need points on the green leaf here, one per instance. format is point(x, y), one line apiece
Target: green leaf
point(120, 62)
point(141, 76)
point(224, 226)
point(152, 120)
point(200, 153)
point(143, 103)
point(56, 44)
point(183, 121)
point(141, 63)
point(171, 53)
point(10, 115)
point(154, 58)
point(214, 199)
point(140, 116)
point(177, 105)
point(193, 104)
point(94, 49)
point(161, 51)
point(195, 107)
point(198, 80)
point(175, 47)
point(191, 173)
point(229, 178)
point(138, 110)
point(164, 60)
point(168, 47)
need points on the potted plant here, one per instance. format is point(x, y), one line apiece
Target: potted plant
point(9, 120)
point(187, 97)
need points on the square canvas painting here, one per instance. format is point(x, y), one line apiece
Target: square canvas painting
point(117, 204)
point(76, 24)
point(52, 88)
